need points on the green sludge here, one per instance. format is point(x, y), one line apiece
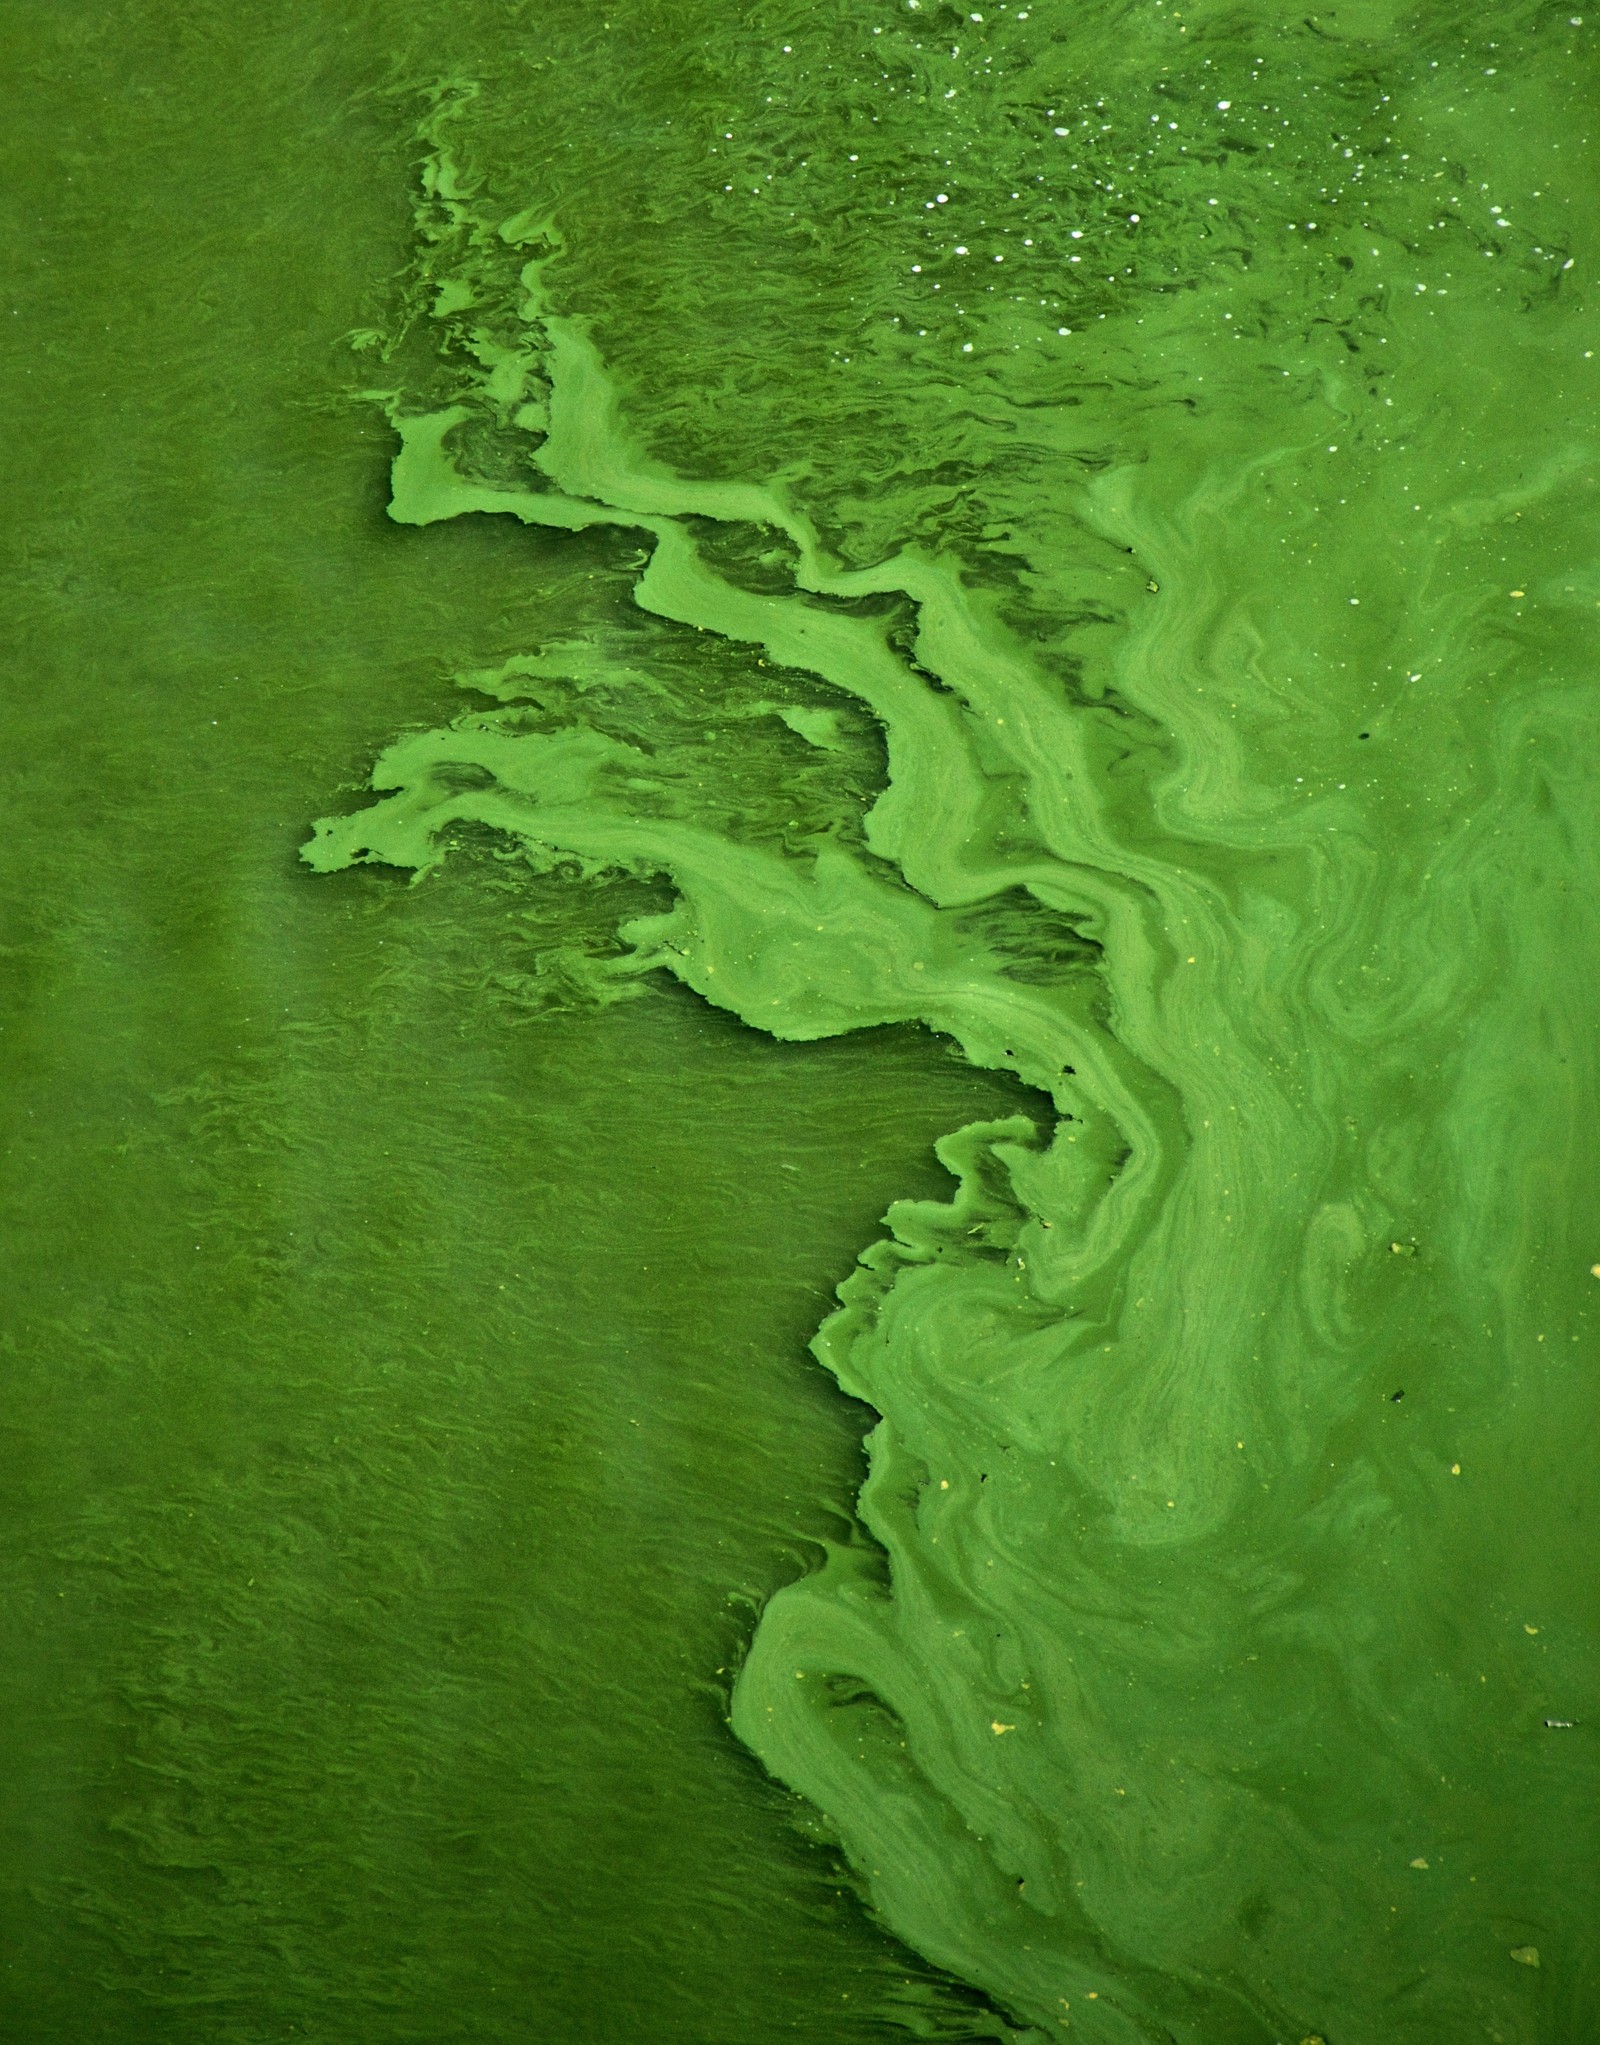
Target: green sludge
point(1221, 1665)
point(1228, 1474)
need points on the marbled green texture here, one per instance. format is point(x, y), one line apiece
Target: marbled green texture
point(1232, 658)
point(1197, 1696)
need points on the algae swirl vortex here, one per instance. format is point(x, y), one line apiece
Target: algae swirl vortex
point(1066, 1733)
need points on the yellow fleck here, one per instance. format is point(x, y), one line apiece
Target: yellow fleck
point(1519, 592)
point(1419, 1862)
point(1527, 1956)
point(944, 1483)
point(1530, 1629)
point(1455, 1469)
point(996, 1727)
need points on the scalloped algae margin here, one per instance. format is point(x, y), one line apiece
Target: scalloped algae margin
point(809, 948)
point(1051, 1741)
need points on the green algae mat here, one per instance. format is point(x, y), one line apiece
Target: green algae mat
point(798, 981)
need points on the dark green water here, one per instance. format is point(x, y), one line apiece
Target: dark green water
point(1028, 571)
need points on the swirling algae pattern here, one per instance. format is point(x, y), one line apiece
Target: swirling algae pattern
point(1201, 1668)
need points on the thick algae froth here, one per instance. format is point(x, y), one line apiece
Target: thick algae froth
point(1218, 1682)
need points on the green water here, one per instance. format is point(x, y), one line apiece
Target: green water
point(1019, 571)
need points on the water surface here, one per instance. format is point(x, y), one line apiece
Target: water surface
point(1022, 576)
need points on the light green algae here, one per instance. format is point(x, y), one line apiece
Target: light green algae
point(1218, 1665)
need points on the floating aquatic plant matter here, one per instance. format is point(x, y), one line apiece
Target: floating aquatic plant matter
point(1191, 1670)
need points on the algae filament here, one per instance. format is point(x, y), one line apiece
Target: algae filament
point(1227, 802)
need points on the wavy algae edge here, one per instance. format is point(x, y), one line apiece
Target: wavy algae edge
point(804, 949)
point(941, 1716)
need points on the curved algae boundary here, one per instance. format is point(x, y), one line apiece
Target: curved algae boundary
point(907, 1713)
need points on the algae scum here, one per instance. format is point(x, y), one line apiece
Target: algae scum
point(1027, 572)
